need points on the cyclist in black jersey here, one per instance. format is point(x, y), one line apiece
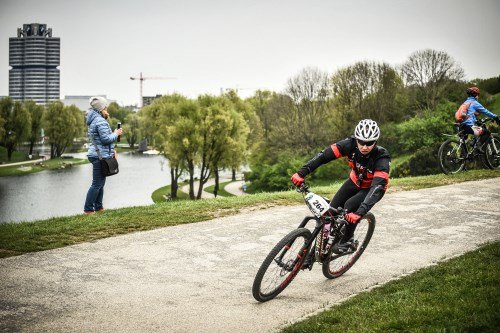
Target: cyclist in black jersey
point(367, 181)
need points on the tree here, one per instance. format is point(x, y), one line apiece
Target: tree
point(260, 101)
point(254, 131)
point(215, 125)
point(224, 131)
point(36, 112)
point(184, 138)
point(2, 125)
point(17, 124)
point(233, 153)
point(62, 124)
point(132, 129)
point(80, 129)
point(366, 90)
point(302, 115)
point(158, 121)
point(118, 112)
point(490, 85)
point(429, 73)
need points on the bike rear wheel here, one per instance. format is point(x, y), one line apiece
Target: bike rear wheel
point(492, 154)
point(281, 265)
point(451, 156)
point(337, 264)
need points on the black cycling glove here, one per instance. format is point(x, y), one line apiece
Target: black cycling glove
point(497, 119)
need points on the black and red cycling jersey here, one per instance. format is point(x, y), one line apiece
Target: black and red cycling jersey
point(366, 170)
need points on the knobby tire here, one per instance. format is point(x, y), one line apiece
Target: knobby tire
point(337, 264)
point(278, 278)
point(451, 159)
point(490, 159)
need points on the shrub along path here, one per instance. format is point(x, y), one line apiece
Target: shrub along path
point(198, 277)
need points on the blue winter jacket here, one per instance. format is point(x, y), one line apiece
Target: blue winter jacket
point(475, 107)
point(100, 132)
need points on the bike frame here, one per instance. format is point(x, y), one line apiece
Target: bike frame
point(307, 248)
point(463, 140)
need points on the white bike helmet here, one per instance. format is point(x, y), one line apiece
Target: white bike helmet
point(367, 130)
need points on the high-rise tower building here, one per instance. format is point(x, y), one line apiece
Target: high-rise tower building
point(34, 56)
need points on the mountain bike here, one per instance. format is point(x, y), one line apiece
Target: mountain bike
point(302, 248)
point(455, 152)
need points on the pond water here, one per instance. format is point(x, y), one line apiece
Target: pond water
point(61, 193)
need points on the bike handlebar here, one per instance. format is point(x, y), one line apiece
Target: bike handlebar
point(484, 121)
point(304, 189)
point(479, 121)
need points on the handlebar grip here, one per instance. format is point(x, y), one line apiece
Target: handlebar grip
point(338, 210)
point(303, 188)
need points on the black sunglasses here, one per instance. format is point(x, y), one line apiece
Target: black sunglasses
point(366, 143)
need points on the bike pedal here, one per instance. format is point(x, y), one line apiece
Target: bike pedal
point(307, 265)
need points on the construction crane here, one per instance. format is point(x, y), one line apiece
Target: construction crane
point(142, 78)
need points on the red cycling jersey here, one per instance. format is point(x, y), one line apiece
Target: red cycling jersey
point(366, 170)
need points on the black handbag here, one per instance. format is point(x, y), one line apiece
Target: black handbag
point(109, 166)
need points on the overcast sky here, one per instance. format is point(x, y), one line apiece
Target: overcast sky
point(212, 45)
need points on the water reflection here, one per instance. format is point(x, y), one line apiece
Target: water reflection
point(60, 193)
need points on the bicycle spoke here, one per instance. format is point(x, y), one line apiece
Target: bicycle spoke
point(492, 154)
point(281, 265)
point(344, 260)
point(338, 264)
point(275, 274)
point(452, 156)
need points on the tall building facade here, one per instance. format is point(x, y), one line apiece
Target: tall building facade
point(34, 56)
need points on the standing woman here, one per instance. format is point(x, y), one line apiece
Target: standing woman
point(101, 135)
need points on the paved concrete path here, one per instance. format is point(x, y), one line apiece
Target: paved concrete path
point(198, 277)
point(24, 162)
point(236, 188)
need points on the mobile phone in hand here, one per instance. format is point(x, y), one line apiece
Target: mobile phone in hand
point(119, 126)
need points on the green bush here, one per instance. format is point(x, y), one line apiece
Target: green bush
point(426, 130)
point(412, 144)
point(335, 170)
point(423, 162)
point(267, 177)
point(400, 166)
point(389, 139)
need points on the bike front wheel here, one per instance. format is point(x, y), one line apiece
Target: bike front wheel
point(281, 265)
point(451, 157)
point(492, 154)
point(337, 264)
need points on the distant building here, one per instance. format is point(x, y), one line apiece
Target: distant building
point(34, 56)
point(146, 100)
point(81, 101)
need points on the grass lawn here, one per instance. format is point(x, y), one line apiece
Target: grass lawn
point(222, 192)
point(158, 195)
point(52, 164)
point(17, 156)
point(459, 295)
point(18, 238)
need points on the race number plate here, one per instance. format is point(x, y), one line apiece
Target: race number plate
point(317, 204)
